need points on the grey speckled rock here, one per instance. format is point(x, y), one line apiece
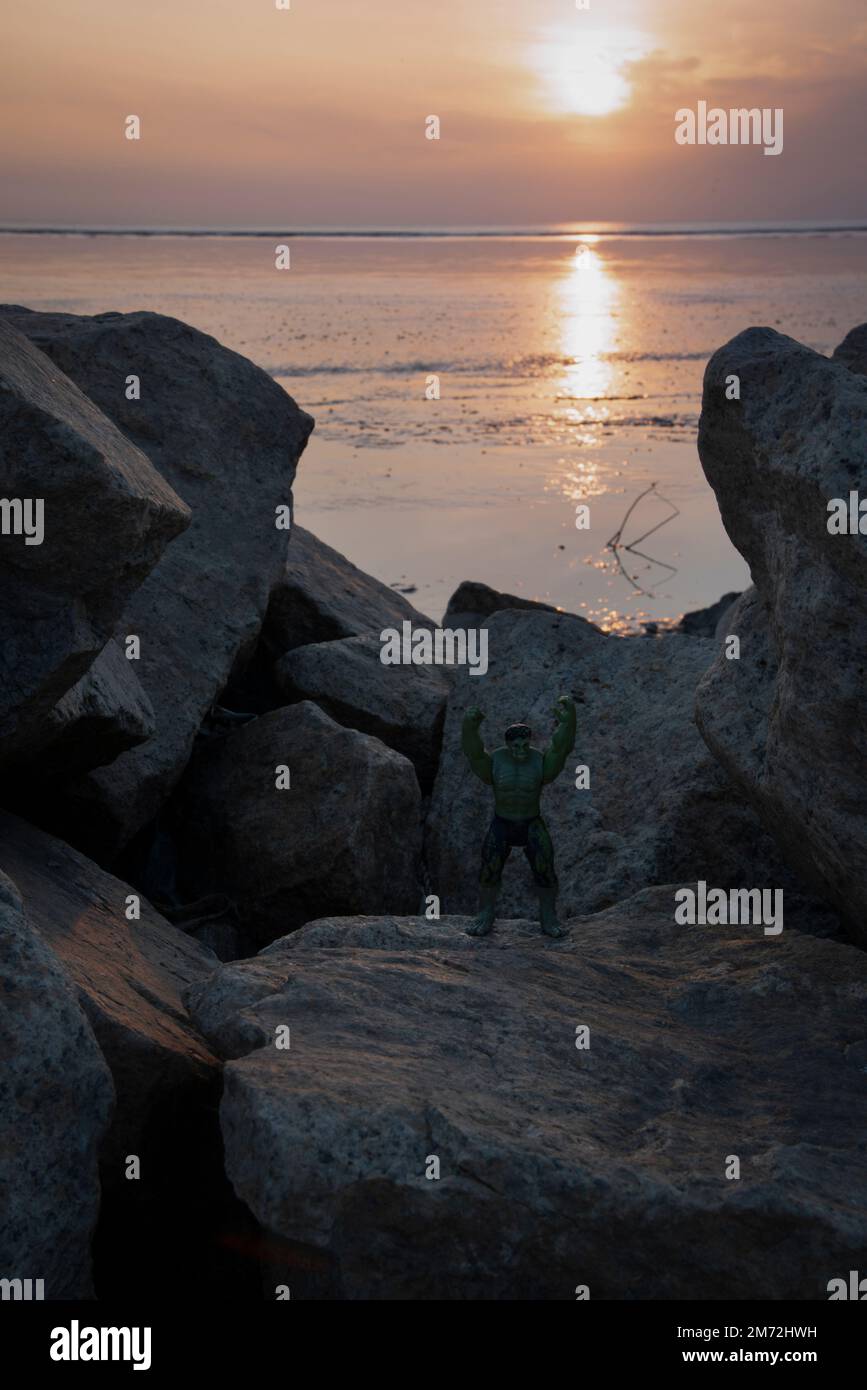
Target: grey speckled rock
point(56, 1100)
point(108, 516)
point(787, 721)
point(658, 807)
point(227, 438)
point(401, 705)
point(346, 832)
point(852, 352)
point(104, 713)
point(321, 596)
point(129, 976)
point(711, 621)
point(473, 603)
point(557, 1166)
point(735, 698)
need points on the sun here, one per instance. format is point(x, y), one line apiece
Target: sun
point(585, 71)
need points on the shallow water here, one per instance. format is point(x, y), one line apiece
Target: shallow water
point(569, 372)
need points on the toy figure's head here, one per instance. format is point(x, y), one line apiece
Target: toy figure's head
point(518, 741)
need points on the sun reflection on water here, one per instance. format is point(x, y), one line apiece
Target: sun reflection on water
point(586, 307)
point(587, 304)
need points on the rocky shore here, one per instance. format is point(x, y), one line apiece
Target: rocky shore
point(246, 1043)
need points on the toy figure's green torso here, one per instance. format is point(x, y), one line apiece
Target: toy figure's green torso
point(517, 785)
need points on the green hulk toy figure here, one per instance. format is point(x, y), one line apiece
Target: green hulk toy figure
point(518, 772)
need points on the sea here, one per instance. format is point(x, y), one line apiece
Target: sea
point(516, 407)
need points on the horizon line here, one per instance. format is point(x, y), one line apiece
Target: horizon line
point(600, 230)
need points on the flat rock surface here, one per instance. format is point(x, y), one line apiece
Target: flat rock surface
point(606, 1166)
point(56, 1099)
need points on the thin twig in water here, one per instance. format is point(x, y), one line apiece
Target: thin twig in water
point(615, 544)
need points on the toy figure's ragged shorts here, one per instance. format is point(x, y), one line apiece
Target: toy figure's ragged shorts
point(532, 836)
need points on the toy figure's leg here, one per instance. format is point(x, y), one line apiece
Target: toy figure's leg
point(495, 852)
point(540, 857)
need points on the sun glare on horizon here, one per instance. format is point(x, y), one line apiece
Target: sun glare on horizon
point(584, 69)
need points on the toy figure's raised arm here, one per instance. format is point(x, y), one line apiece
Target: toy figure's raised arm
point(473, 747)
point(562, 741)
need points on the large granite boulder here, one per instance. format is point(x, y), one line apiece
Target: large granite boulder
point(107, 517)
point(321, 596)
point(473, 603)
point(787, 720)
point(658, 807)
point(401, 705)
point(227, 438)
point(56, 1100)
point(852, 352)
point(102, 715)
point(736, 697)
point(711, 621)
point(433, 1119)
point(129, 974)
point(344, 829)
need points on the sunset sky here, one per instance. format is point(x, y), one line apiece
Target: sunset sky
point(314, 117)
